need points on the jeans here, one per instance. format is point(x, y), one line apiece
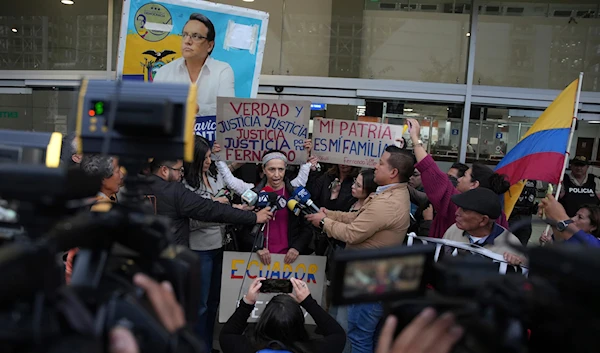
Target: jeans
point(211, 267)
point(340, 314)
point(364, 323)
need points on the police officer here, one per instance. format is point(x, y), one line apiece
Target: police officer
point(579, 187)
point(520, 219)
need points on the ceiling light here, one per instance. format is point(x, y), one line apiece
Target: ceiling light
point(408, 109)
point(67, 2)
point(248, 0)
point(14, 30)
point(468, 34)
point(594, 122)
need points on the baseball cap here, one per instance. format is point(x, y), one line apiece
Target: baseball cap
point(481, 200)
point(579, 160)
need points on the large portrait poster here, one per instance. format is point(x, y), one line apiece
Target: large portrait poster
point(151, 37)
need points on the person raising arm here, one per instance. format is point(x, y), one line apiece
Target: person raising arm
point(439, 188)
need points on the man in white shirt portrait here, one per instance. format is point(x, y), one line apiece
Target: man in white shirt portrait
point(214, 78)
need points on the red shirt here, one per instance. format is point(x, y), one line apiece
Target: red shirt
point(276, 232)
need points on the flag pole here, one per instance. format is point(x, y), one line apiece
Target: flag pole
point(568, 152)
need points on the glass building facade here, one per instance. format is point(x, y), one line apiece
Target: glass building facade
point(475, 73)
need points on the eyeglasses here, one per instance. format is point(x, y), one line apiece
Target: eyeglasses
point(180, 170)
point(196, 37)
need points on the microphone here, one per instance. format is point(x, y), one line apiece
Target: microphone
point(297, 208)
point(249, 197)
point(266, 198)
point(226, 193)
point(303, 196)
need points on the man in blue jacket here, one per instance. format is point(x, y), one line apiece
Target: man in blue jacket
point(563, 226)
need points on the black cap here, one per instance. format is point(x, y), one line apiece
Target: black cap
point(579, 160)
point(480, 200)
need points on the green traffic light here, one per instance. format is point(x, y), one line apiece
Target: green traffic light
point(99, 107)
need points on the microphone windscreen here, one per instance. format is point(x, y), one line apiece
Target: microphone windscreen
point(291, 204)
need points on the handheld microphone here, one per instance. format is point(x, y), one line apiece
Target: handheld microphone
point(249, 197)
point(224, 193)
point(266, 198)
point(303, 196)
point(297, 208)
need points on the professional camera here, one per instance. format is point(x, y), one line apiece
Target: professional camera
point(553, 309)
point(134, 121)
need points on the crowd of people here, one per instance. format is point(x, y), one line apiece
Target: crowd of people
point(359, 209)
point(362, 209)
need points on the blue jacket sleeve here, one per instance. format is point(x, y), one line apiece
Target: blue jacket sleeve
point(584, 238)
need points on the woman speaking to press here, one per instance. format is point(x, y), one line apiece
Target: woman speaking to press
point(286, 233)
point(281, 324)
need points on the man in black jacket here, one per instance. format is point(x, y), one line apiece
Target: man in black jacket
point(174, 200)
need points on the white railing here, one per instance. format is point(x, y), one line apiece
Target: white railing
point(475, 249)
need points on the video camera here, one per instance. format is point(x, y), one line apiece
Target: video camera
point(133, 121)
point(553, 309)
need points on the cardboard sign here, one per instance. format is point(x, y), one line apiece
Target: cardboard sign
point(238, 273)
point(349, 142)
point(247, 128)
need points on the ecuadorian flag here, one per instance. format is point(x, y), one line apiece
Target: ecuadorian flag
point(540, 155)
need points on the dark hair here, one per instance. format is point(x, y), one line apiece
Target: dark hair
point(402, 160)
point(157, 163)
point(210, 35)
point(594, 217)
point(97, 165)
point(369, 184)
point(193, 171)
point(69, 148)
point(281, 321)
point(462, 168)
point(334, 171)
point(488, 179)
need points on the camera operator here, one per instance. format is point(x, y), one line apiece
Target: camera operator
point(382, 221)
point(478, 210)
point(174, 200)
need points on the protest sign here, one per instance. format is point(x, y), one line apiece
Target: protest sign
point(238, 273)
point(349, 142)
point(247, 128)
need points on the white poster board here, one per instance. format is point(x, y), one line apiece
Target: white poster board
point(238, 272)
point(349, 142)
point(247, 128)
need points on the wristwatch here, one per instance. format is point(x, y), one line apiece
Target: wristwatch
point(322, 223)
point(419, 142)
point(562, 225)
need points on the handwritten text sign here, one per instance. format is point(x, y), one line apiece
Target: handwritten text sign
point(349, 142)
point(238, 272)
point(247, 128)
point(206, 126)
